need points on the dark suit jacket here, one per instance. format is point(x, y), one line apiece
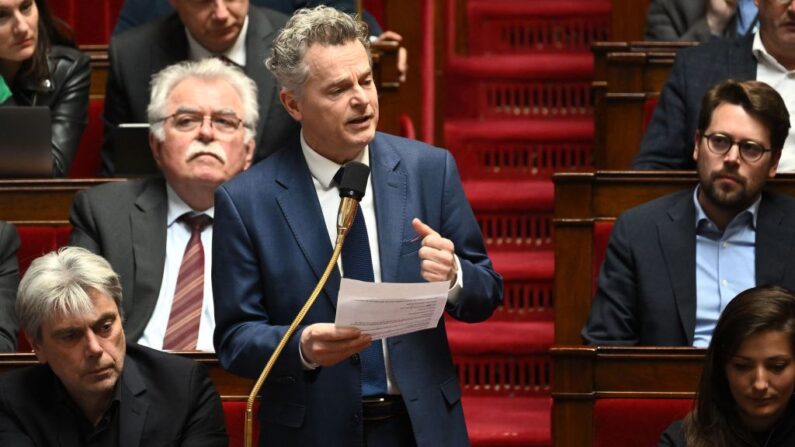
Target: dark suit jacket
point(137, 12)
point(166, 400)
point(9, 280)
point(684, 20)
point(126, 224)
point(269, 250)
point(647, 284)
point(668, 142)
point(141, 52)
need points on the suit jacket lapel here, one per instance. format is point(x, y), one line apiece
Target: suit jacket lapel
point(173, 47)
point(773, 241)
point(742, 63)
point(148, 229)
point(258, 46)
point(133, 407)
point(677, 239)
point(390, 185)
point(301, 209)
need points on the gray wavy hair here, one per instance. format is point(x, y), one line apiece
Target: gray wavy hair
point(321, 25)
point(59, 282)
point(209, 69)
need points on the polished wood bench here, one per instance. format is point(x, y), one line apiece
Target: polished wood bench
point(627, 83)
point(620, 396)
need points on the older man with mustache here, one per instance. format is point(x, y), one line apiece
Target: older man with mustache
point(673, 264)
point(157, 232)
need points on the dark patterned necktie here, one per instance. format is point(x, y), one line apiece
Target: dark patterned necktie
point(357, 264)
point(182, 332)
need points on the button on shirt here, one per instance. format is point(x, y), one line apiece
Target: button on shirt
point(177, 237)
point(771, 72)
point(323, 170)
point(725, 265)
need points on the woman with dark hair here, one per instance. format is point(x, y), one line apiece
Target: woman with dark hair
point(40, 66)
point(745, 394)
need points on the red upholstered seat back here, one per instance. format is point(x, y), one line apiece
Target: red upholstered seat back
point(601, 235)
point(635, 422)
point(35, 240)
point(235, 416)
point(91, 20)
point(88, 160)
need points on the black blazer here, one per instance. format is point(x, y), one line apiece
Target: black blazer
point(166, 400)
point(139, 53)
point(668, 142)
point(647, 283)
point(126, 224)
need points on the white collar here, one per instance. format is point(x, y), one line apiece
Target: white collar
point(323, 169)
point(177, 207)
point(236, 53)
point(763, 57)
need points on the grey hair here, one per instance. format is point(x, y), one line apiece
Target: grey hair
point(58, 284)
point(321, 25)
point(207, 70)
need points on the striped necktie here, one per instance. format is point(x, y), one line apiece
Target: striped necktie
point(183, 323)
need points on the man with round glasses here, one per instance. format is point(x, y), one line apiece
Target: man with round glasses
point(673, 264)
point(157, 232)
point(767, 56)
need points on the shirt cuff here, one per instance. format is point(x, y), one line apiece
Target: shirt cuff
point(308, 366)
point(455, 289)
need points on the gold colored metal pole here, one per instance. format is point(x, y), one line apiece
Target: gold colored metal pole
point(332, 263)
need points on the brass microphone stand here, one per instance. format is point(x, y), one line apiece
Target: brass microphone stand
point(347, 213)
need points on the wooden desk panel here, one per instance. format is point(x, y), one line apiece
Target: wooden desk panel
point(584, 374)
point(41, 201)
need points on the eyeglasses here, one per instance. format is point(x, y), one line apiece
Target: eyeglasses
point(190, 121)
point(720, 144)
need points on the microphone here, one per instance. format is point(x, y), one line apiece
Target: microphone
point(352, 187)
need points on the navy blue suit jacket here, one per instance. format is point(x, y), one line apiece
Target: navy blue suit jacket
point(647, 283)
point(269, 250)
point(668, 142)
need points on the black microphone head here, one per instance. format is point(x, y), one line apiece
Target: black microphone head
point(354, 180)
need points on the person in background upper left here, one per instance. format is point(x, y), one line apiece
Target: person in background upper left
point(40, 66)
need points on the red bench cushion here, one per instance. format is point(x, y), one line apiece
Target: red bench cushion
point(635, 422)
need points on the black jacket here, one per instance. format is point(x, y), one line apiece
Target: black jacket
point(165, 400)
point(783, 434)
point(66, 94)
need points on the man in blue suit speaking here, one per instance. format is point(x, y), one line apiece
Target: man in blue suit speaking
point(275, 225)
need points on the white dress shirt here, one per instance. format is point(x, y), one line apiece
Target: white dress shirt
point(323, 170)
point(771, 72)
point(236, 53)
point(177, 237)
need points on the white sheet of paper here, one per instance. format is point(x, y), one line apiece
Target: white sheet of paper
point(389, 309)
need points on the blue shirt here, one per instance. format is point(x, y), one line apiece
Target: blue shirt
point(746, 16)
point(725, 265)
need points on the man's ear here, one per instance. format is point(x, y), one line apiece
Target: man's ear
point(42, 358)
point(696, 145)
point(775, 156)
point(156, 146)
point(291, 104)
point(249, 148)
